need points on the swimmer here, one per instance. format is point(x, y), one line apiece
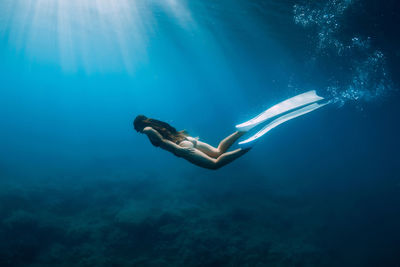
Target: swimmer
point(163, 135)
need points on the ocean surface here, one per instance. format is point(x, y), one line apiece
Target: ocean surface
point(79, 187)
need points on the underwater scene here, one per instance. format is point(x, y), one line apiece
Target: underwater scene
point(81, 184)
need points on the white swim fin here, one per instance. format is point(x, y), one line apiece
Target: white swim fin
point(251, 141)
point(284, 106)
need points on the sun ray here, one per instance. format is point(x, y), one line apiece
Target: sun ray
point(86, 35)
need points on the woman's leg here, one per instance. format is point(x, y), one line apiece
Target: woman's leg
point(225, 144)
point(201, 159)
point(207, 149)
point(228, 157)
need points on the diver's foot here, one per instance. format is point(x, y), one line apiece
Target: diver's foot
point(246, 146)
point(245, 150)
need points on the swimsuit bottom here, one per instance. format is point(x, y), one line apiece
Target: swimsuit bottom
point(189, 142)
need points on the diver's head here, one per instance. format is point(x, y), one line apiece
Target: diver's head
point(164, 129)
point(140, 123)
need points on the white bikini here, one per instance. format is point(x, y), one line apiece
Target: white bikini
point(189, 142)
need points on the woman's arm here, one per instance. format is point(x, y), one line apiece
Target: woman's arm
point(156, 138)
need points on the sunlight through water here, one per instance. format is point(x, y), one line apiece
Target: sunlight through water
point(86, 35)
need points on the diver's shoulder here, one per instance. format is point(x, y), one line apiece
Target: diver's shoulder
point(148, 129)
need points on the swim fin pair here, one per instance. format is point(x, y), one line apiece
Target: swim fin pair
point(301, 104)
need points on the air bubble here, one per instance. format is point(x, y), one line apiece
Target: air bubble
point(367, 67)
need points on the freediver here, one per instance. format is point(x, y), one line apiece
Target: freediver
point(181, 144)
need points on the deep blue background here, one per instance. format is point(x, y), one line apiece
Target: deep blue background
point(80, 188)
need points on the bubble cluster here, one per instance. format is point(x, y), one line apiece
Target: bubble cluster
point(325, 18)
point(365, 77)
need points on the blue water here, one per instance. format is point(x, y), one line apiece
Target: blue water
point(79, 187)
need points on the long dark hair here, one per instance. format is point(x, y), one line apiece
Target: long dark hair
point(167, 131)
